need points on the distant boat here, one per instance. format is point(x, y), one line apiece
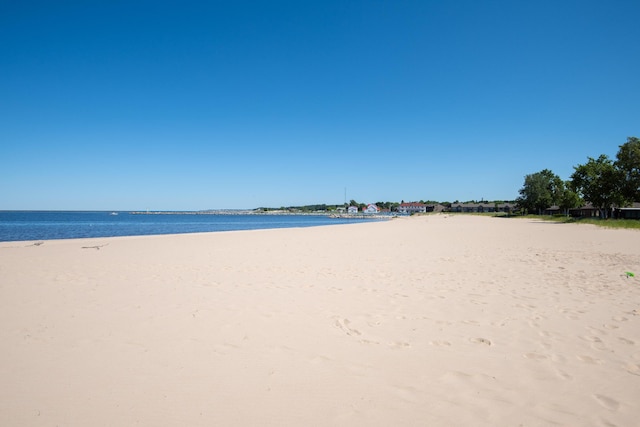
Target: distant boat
point(113, 213)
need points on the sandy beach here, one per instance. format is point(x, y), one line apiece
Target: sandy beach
point(437, 320)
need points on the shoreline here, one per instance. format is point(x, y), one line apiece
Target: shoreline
point(40, 242)
point(270, 213)
point(72, 225)
point(436, 319)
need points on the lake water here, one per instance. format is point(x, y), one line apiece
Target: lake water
point(46, 225)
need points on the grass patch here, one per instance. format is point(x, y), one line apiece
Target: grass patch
point(612, 223)
point(608, 223)
point(633, 224)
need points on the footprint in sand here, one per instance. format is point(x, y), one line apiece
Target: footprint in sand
point(633, 368)
point(571, 314)
point(480, 341)
point(589, 359)
point(440, 343)
point(558, 358)
point(399, 344)
point(607, 402)
point(596, 342)
point(563, 375)
point(535, 356)
point(320, 360)
point(344, 325)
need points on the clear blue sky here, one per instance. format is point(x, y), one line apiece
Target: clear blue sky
point(183, 105)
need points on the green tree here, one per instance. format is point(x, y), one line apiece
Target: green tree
point(600, 183)
point(540, 191)
point(628, 164)
point(569, 199)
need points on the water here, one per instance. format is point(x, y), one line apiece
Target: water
point(45, 225)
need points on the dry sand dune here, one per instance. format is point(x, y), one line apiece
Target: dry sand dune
point(434, 320)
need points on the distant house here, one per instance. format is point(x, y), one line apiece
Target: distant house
point(352, 210)
point(631, 212)
point(482, 207)
point(586, 211)
point(371, 209)
point(471, 207)
point(455, 207)
point(436, 208)
point(589, 211)
point(506, 207)
point(553, 210)
point(412, 207)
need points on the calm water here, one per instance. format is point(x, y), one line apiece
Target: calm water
point(32, 225)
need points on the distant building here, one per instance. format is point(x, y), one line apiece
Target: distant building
point(468, 207)
point(412, 207)
point(352, 210)
point(482, 207)
point(590, 211)
point(586, 211)
point(371, 208)
point(631, 212)
point(553, 210)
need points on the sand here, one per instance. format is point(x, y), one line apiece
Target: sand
point(436, 320)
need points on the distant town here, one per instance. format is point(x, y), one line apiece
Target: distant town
point(390, 209)
point(404, 208)
point(355, 208)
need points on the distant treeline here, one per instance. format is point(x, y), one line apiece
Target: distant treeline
point(603, 182)
point(390, 206)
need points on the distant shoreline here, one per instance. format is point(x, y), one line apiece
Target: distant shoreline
point(279, 212)
point(53, 225)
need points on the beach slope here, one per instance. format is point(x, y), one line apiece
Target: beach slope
point(433, 320)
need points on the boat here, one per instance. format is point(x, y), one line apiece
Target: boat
point(113, 213)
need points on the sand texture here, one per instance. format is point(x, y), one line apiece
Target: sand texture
point(436, 320)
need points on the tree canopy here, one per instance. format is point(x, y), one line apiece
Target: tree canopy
point(628, 163)
point(569, 198)
point(541, 190)
point(599, 182)
point(605, 183)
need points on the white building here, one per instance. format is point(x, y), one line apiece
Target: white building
point(412, 207)
point(352, 210)
point(371, 208)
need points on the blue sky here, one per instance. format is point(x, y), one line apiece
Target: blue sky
point(163, 105)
